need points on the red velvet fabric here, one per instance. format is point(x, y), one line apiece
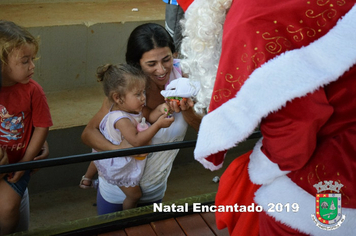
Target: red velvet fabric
point(269, 226)
point(236, 187)
point(314, 137)
point(184, 4)
point(258, 31)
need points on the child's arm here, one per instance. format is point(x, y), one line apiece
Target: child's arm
point(43, 154)
point(135, 138)
point(157, 112)
point(3, 160)
point(34, 147)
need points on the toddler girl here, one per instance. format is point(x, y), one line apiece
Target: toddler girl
point(124, 86)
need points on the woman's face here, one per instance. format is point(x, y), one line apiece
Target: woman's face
point(157, 64)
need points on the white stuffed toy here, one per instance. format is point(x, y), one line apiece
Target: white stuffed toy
point(181, 89)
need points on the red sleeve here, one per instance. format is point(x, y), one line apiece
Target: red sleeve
point(290, 134)
point(41, 115)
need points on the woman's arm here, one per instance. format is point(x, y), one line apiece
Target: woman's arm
point(192, 118)
point(92, 136)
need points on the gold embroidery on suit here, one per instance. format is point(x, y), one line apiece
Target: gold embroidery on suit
point(276, 43)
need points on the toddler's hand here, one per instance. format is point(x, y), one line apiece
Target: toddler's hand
point(165, 109)
point(164, 121)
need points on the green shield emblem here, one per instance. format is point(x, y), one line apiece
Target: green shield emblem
point(328, 208)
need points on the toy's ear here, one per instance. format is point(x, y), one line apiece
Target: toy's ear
point(184, 4)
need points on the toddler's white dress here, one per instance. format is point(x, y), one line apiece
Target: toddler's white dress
point(120, 171)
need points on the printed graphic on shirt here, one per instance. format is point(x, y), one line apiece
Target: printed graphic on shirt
point(12, 126)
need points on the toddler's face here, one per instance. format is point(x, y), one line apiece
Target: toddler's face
point(20, 67)
point(134, 100)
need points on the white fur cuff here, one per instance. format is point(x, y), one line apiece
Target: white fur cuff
point(261, 169)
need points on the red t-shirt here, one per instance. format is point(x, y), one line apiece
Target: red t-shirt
point(22, 107)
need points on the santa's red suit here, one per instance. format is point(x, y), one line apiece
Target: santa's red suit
point(288, 66)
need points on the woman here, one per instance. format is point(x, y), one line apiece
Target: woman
point(151, 49)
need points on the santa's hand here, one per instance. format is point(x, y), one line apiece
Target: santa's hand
point(181, 87)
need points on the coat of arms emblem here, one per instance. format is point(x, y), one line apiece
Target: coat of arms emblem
point(328, 205)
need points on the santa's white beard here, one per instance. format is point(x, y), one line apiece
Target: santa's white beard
point(201, 46)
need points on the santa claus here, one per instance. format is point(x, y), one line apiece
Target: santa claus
point(287, 67)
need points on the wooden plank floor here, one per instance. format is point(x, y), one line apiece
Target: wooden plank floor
point(198, 224)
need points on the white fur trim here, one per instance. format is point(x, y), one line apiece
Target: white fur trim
point(201, 45)
point(292, 74)
point(209, 165)
point(261, 169)
point(284, 191)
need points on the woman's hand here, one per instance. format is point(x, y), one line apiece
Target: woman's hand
point(92, 136)
point(182, 89)
point(125, 144)
point(184, 105)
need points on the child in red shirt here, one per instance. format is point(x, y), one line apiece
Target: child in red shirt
point(24, 116)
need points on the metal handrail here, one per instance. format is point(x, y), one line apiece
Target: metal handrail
point(101, 155)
